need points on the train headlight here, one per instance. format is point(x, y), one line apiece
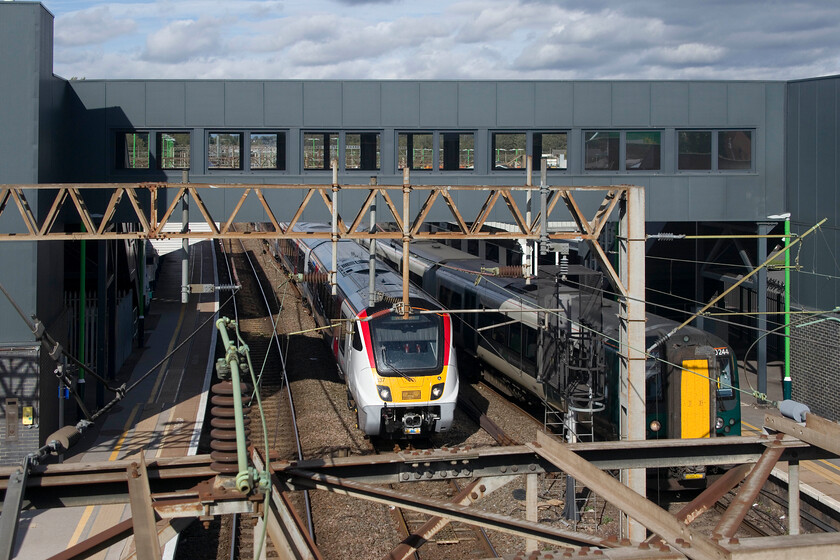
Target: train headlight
point(384, 393)
point(437, 390)
point(718, 423)
point(655, 426)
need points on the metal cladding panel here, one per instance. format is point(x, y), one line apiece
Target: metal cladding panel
point(19, 93)
point(130, 97)
point(165, 103)
point(667, 197)
point(770, 156)
point(439, 104)
point(745, 103)
point(87, 119)
point(244, 104)
point(805, 184)
point(400, 104)
point(361, 104)
point(322, 104)
point(553, 104)
point(476, 104)
point(593, 104)
point(515, 104)
point(669, 103)
point(205, 103)
point(707, 104)
point(631, 104)
point(707, 198)
point(20, 281)
point(742, 192)
point(283, 103)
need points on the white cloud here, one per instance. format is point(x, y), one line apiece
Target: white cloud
point(90, 26)
point(185, 39)
point(469, 39)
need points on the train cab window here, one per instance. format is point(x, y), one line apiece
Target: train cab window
point(407, 346)
point(357, 337)
point(725, 383)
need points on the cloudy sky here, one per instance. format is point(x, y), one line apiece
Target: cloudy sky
point(460, 39)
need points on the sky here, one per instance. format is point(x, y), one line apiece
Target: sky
point(433, 39)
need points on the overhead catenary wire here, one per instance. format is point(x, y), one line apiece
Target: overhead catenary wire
point(483, 276)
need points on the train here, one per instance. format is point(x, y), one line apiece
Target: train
point(400, 369)
point(568, 359)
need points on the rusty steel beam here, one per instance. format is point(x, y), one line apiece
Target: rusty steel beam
point(674, 532)
point(97, 543)
point(470, 494)
point(737, 510)
point(142, 513)
point(497, 522)
point(817, 430)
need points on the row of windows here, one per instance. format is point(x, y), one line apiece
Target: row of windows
point(604, 150)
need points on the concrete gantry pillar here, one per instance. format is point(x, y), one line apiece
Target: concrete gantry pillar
point(631, 249)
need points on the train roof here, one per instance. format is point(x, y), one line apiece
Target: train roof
point(353, 267)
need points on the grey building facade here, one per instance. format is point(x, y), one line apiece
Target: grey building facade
point(712, 155)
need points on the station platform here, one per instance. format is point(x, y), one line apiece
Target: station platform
point(161, 417)
point(820, 480)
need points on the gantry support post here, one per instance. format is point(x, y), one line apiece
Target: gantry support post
point(372, 250)
point(406, 239)
point(185, 243)
point(334, 207)
point(761, 297)
point(793, 497)
point(631, 250)
point(532, 482)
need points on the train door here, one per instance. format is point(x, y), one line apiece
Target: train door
point(343, 334)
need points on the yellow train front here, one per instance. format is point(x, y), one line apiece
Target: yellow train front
point(400, 370)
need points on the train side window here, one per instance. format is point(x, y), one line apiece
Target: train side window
point(516, 337)
point(530, 344)
point(357, 337)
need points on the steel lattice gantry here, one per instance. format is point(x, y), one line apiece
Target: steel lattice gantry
point(142, 210)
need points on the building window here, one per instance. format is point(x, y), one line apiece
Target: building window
point(457, 151)
point(132, 150)
point(734, 149)
point(174, 150)
point(695, 150)
point(268, 150)
point(601, 150)
point(642, 151)
point(415, 151)
point(551, 146)
point(509, 150)
point(224, 150)
point(361, 150)
point(319, 149)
